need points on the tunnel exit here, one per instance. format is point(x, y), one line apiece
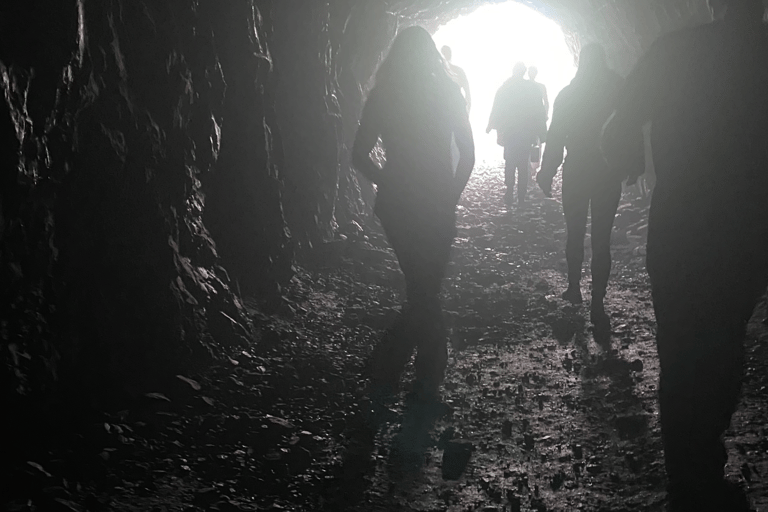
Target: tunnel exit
point(486, 44)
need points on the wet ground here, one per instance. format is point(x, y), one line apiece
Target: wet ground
point(542, 413)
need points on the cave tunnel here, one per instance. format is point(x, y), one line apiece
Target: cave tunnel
point(192, 277)
point(488, 41)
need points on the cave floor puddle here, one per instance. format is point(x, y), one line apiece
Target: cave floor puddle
point(556, 420)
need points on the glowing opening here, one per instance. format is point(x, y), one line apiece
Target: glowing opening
point(487, 43)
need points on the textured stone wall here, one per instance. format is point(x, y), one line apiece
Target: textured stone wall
point(325, 53)
point(122, 122)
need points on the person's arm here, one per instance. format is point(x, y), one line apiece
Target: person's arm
point(554, 151)
point(465, 143)
point(366, 138)
point(493, 120)
point(545, 97)
point(622, 138)
point(464, 83)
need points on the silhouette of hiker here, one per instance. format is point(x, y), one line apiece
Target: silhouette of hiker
point(704, 92)
point(416, 109)
point(518, 118)
point(459, 76)
point(580, 111)
point(533, 72)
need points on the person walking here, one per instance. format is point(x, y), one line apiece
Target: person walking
point(518, 117)
point(589, 186)
point(416, 109)
point(704, 92)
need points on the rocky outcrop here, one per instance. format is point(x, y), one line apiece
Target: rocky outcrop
point(244, 196)
point(306, 46)
point(122, 122)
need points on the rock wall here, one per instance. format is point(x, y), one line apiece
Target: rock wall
point(124, 125)
point(325, 54)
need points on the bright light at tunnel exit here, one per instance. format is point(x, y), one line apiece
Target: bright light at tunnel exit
point(487, 43)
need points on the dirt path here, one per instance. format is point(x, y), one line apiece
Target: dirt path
point(556, 419)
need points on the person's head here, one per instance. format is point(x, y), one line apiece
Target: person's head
point(740, 10)
point(447, 52)
point(518, 70)
point(412, 56)
point(533, 72)
point(592, 60)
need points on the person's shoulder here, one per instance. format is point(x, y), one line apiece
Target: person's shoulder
point(507, 85)
point(458, 70)
point(563, 97)
point(535, 89)
point(377, 99)
point(453, 89)
point(529, 86)
point(453, 94)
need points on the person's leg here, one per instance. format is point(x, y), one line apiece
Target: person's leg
point(604, 202)
point(523, 162)
point(535, 161)
point(509, 173)
point(575, 209)
point(702, 309)
point(432, 353)
point(395, 349)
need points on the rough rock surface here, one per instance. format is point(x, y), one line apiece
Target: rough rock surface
point(114, 121)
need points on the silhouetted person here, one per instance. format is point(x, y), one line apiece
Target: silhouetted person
point(704, 92)
point(580, 111)
point(533, 72)
point(416, 109)
point(518, 118)
point(459, 76)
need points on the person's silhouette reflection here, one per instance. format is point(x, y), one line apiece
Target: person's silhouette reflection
point(416, 109)
point(704, 92)
point(580, 112)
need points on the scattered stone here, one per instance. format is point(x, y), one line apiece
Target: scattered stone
point(528, 441)
point(631, 425)
point(506, 429)
point(455, 458)
point(594, 468)
point(205, 497)
point(445, 437)
point(557, 480)
point(515, 503)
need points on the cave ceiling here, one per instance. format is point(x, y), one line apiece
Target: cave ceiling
point(624, 27)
